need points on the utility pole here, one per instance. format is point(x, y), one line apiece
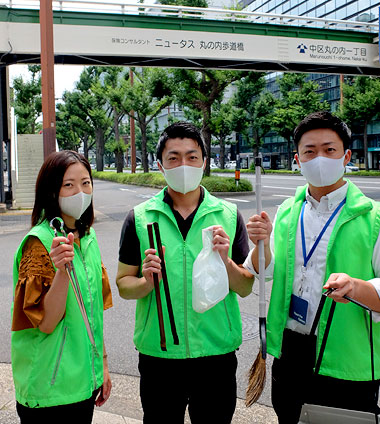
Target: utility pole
point(47, 76)
point(132, 131)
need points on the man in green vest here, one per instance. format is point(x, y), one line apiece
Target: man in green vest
point(200, 371)
point(326, 236)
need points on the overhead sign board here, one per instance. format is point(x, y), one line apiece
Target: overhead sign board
point(116, 41)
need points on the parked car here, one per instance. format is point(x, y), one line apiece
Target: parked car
point(154, 166)
point(351, 167)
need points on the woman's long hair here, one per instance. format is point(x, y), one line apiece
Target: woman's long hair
point(48, 186)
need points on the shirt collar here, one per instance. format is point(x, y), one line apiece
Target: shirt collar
point(329, 202)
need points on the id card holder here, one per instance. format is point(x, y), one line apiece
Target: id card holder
point(298, 309)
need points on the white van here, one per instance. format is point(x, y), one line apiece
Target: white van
point(295, 166)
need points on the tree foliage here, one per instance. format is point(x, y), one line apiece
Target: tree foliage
point(28, 101)
point(222, 125)
point(255, 108)
point(298, 98)
point(361, 104)
point(150, 93)
point(199, 90)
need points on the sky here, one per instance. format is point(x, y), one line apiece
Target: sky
point(65, 76)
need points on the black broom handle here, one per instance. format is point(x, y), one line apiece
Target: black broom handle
point(166, 284)
point(158, 295)
point(325, 336)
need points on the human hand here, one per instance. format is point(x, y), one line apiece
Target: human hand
point(343, 285)
point(221, 242)
point(105, 389)
point(62, 251)
point(152, 265)
point(259, 227)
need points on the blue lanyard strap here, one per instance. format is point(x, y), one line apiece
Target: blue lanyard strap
point(306, 258)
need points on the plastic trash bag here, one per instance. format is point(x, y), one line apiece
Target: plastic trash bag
point(210, 278)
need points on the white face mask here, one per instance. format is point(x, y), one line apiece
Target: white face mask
point(75, 205)
point(322, 171)
point(183, 179)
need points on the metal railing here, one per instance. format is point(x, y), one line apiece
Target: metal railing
point(194, 12)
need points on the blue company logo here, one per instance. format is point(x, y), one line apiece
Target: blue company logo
point(302, 48)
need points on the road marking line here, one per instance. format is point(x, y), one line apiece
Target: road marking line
point(280, 195)
point(281, 188)
point(127, 189)
point(237, 200)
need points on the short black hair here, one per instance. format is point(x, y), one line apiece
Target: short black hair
point(323, 119)
point(182, 130)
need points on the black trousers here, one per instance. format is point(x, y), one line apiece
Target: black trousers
point(206, 385)
point(293, 383)
point(80, 412)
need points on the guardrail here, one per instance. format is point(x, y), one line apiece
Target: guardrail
point(194, 12)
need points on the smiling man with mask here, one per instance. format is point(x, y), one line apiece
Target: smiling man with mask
point(200, 372)
point(326, 236)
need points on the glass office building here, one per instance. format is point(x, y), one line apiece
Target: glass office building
point(360, 10)
point(329, 85)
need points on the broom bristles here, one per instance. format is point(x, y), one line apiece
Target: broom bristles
point(256, 382)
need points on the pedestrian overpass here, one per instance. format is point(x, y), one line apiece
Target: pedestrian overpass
point(111, 33)
point(89, 32)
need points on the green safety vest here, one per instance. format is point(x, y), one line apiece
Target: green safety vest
point(350, 249)
point(216, 331)
point(62, 367)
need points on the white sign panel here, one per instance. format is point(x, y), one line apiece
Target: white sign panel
point(114, 41)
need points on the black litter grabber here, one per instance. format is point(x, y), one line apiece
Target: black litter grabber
point(315, 414)
point(257, 373)
point(151, 227)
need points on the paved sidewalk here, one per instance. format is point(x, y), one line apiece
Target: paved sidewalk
point(123, 407)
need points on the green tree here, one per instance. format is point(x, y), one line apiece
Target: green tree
point(28, 101)
point(256, 107)
point(199, 90)
point(98, 109)
point(188, 3)
point(361, 104)
point(113, 78)
point(298, 98)
point(72, 123)
point(150, 93)
point(222, 125)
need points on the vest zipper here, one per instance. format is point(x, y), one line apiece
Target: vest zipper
point(92, 317)
point(185, 300)
point(60, 352)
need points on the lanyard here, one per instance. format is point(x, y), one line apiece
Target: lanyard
point(306, 258)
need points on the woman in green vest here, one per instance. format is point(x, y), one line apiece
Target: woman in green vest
point(59, 360)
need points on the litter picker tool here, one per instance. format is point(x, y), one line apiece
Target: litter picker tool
point(151, 227)
point(257, 373)
point(313, 413)
point(57, 225)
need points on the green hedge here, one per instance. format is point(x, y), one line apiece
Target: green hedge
point(156, 179)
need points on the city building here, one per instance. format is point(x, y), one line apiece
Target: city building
point(275, 148)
